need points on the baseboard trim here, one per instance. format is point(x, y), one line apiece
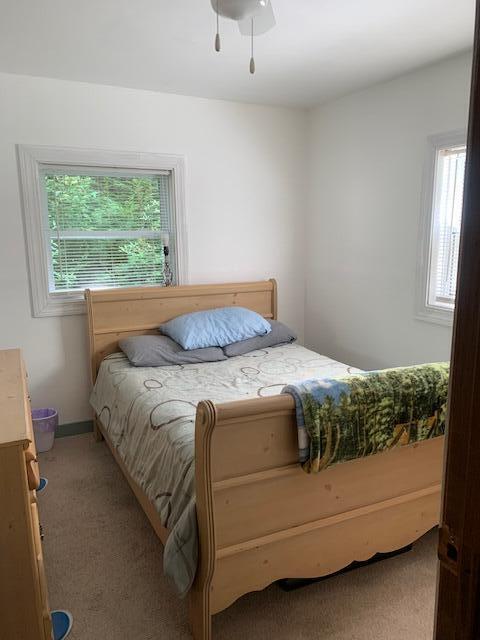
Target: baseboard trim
point(73, 428)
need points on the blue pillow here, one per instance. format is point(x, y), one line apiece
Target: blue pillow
point(215, 327)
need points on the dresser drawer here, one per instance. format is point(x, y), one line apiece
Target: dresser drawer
point(47, 624)
point(36, 529)
point(41, 572)
point(33, 472)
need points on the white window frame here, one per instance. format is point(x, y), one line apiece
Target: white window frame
point(32, 159)
point(438, 314)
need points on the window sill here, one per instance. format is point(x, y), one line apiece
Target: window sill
point(436, 315)
point(59, 305)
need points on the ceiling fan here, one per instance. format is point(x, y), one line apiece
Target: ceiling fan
point(254, 17)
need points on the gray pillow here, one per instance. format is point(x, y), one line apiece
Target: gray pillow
point(280, 334)
point(160, 351)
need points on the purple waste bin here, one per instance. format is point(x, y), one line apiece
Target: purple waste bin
point(45, 421)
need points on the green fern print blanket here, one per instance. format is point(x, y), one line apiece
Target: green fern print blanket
point(345, 418)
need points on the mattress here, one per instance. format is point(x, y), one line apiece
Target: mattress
point(149, 416)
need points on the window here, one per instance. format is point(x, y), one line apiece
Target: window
point(105, 229)
point(100, 220)
point(441, 227)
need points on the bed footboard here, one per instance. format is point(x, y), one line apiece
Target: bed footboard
point(262, 518)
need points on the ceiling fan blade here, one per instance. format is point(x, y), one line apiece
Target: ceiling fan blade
point(263, 21)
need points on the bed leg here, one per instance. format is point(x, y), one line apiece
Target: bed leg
point(97, 434)
point(200, 616)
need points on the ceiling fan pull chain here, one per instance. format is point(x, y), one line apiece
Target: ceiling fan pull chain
point(217, 36)
point(252, 59)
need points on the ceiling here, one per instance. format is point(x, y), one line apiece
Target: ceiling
point(318, 50)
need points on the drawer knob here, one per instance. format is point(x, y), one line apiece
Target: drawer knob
point(33, 475)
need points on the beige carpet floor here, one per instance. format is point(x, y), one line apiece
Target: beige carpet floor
point(104, 564)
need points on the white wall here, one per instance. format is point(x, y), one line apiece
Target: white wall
point(366, 161)
point(245, 192)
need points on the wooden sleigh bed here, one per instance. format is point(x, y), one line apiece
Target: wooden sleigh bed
point(260, 517)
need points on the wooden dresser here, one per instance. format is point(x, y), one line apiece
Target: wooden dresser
point(24, 610)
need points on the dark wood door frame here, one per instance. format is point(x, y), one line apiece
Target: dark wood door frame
point(458, 600)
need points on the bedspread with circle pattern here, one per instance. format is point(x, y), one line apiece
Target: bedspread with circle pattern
point(149, 415)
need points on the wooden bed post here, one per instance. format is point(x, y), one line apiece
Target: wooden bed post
point(274, 299)
point(200, 600)
point(97, 433)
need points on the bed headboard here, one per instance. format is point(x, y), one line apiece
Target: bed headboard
point(114, 314)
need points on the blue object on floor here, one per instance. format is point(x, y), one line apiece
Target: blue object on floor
point(42, 485)
point(62, 624)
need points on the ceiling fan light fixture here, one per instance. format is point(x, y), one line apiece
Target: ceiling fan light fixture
point(237, 9)
point(254, 17)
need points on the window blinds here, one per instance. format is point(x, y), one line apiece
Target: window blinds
point(106, 229)
point(446, 225)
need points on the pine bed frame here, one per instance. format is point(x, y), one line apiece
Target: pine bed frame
point(260, 517)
